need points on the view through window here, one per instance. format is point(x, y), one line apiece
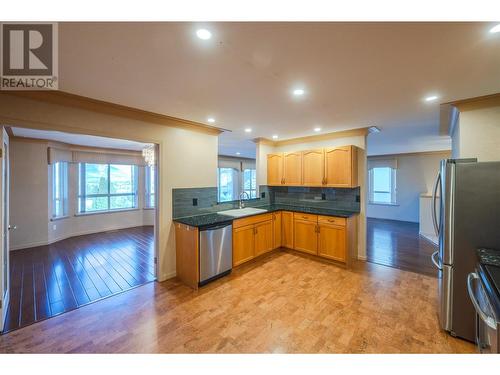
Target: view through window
point(59, 189)
point(382, 185)
point(105, 187)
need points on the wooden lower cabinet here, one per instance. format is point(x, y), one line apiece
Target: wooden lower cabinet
point(305, 236)
point(287, 229)
point(332, 242)
point(264, 237)
point(277, 229)
point(243, 244)
point(186, 251)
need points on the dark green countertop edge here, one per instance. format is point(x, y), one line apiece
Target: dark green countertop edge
point(215, 218)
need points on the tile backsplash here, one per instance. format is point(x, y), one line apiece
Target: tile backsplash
point(183, 200)
point(333, 198)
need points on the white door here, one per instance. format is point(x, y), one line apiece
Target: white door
point(4, 226)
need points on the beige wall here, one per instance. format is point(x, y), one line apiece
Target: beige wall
point(477, 134)
point(359, 141)
point(416, 174)
point(186, 158)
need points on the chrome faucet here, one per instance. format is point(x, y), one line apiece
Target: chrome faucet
point(242, 205)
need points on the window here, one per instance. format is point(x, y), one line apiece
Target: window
point(250, 183)
point(150, 186)
point(382, 185)
point(227, 182)
point(107, 187)
point(59, 189)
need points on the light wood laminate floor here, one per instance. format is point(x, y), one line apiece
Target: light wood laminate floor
point(283, 303)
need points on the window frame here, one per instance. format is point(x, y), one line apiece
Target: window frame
point(82, 196)
point(235, 184)
point(393, 192)
point(147, 185)
point(253, 188)
point(63, 187)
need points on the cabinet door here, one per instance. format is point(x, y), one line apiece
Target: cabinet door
point(243, 244)
point(274, 169)
point(292, 168)
point(305, 236)
point(263, 237)
point(341, 167)
point(287, 229)
point(332, 242)
point(277, 229)
point(313, 168)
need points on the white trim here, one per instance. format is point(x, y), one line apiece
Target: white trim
point(90, 213)
point(169, 275)
point(362, 257)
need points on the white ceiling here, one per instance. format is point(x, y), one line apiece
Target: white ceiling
point(78, 139)
point(355, 75)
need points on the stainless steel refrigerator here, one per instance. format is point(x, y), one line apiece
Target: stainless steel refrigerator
point(466, 216)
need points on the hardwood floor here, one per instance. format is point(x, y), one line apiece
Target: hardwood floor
point(48, 280)
point(283, 302)
point(398, 244)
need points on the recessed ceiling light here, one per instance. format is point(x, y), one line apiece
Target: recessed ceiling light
point(299, 92)
point(317, 129)
point(495, 29)
point(248, 130)
point(238, 153)
point(211, 120)
point(431, 98)
point(203, 34)
point(275, 136)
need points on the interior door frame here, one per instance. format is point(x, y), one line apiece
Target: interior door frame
point(4, 227)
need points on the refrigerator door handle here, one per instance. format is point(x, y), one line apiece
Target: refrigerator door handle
point(434, 197)
point(490, 321)
point(434, 258)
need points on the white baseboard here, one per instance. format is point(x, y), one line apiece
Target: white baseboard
point(66, 236)
point(362, 257)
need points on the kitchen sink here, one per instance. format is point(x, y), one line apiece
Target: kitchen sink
point(240, 212)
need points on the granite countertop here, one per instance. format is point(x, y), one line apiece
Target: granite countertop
point(215, 218)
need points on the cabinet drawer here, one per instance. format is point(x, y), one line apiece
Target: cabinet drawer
point(332, 220)
point(238, 223)
point(306, 217)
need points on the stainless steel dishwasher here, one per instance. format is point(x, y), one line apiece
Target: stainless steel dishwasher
point(216, 251)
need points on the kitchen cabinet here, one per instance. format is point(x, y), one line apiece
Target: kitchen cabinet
point(243, 244)
point(287, 229)
point(332, 167)
point(186, 252)
point(332, 242)
point(292, 168)
point(263, 237)
point(313, 167)
point(252, 236)
point(305, 230)
point(274, 169)
point(277, 229)
point(341, 167)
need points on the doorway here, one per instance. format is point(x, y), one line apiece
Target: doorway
point(84, 209)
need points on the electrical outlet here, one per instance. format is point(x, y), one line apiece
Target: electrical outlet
point(54, 226)
point(263, 194)
point(323, 196)
point(195, 201)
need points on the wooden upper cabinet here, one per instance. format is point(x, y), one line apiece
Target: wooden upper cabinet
point(313, 168)
point(243, 244)
point(277, 229)
point(292, 168)
point(332, 242)
point(341, 167)
point(287, 229)
point(274, 169)
point(264, 237)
